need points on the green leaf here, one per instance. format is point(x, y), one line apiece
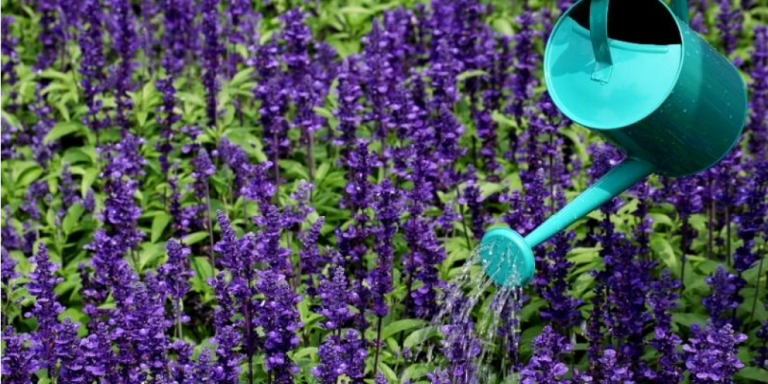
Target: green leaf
point(471, 74)
point(388, 372)
point(202, 267)
point(159, 223)
point(415, 371)
point(418, 337)
point(689, 319)
point(72, 219)
point(195, 238)
point(400, 326)
point(753, 373)
point(88, 178)
point(503, 26)
point(62, 129)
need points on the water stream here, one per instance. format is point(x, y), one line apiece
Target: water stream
point(479, 329)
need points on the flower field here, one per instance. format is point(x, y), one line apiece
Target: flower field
point(287, 191)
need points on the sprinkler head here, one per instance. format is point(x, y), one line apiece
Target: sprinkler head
point(507, 258)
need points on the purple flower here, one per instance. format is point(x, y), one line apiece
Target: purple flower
point(68, 190)
point(474, 202)
point(9, 76)
point(663, 300)
point(41, 150)
point(18, 362)
point(96, 360)
point(312, 262)
point(274, 105)
point(758, 107)
point(93, 63)
point(125, 42)
point(388, 206)
point(51, 339)
point(562, 310)
point(227, 367)
point(124, 158)
point(203, 171)
point(241, 30)
point(9, 137)
point(724, 298)
point(281, 321)
point(527, 61)
point(461, 349)
point(11, 239)
point(711, 354)
point(336, 298)
point(112, 274)
point(341, 357)
point(37, 191)
point(442, 72)
point(203, 371)
point(729, 25)
point(51, 33)
point(614, 372)
point(448, 133)
point(422, 264)
point(175, 274)
point(212, 52)
point(89, 203)
point(360, 165)
point(8, 271)
point(121, 214)
point(544, 366)
point(271, 224)
point(349, 109)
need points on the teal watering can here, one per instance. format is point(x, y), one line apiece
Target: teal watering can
point(636, 74)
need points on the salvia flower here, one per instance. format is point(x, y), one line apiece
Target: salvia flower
point(93, 62)
point(336, 298)
point(212, 52)
point(422, 264)
point(474, 202)
point(9, 75)
point(281, 321)
point(312, 261)
point(388, 207)
point(724, 299)
point(758, 107)
point(176, 273)
point(545, 366)
point(19, 363)
point(46, 340)
point(51, 33)
point(341, 356)
point(663, 299)
point(126, 45)
point(614, 371)
point(729, 24)
point(711, 354)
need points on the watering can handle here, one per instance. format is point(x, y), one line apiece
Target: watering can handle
point(680, 9)
point(598, 32)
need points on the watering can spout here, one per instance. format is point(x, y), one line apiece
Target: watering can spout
point(507, 257)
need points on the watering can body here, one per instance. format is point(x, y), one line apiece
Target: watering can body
point(670, 101)
point(680, 106)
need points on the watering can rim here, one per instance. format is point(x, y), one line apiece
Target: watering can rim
point(618, 43)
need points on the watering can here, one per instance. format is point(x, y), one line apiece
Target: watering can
point(636, 74)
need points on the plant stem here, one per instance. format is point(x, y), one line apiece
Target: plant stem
point(378, 347)
point(210, 225)
point(311, 155)
point(464, 225)
point(757, 288)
